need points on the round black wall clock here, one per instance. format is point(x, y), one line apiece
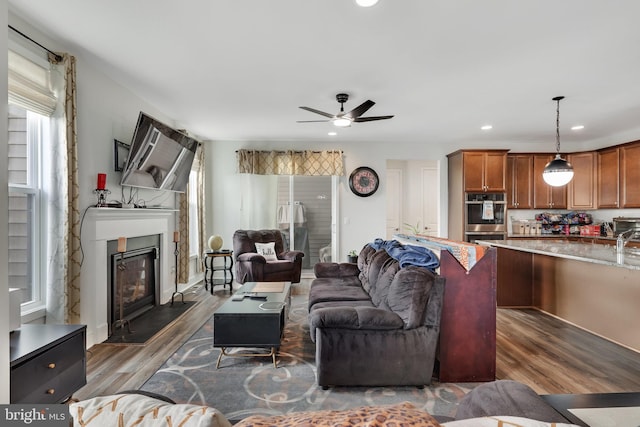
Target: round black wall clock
point(364, 181)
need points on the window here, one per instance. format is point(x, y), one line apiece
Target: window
point(194, 232)
point(26, 246)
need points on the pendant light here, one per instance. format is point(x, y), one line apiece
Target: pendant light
point(557, 172)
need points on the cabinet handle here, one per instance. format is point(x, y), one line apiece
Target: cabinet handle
point(51, 366)
point(51, 391)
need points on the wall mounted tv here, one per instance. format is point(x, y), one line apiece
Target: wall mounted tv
point(160, 157)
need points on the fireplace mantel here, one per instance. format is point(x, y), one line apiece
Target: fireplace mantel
point(104, 224)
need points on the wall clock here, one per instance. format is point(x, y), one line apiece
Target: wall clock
point(364, 181)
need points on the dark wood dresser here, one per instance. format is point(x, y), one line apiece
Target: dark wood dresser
point(48, 362)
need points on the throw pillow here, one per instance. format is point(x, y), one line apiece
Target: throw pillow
point(267, 250)
point(142, 411)
point(403, 414)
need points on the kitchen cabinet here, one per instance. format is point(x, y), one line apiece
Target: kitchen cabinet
point(519, 181)
point(609, 178)
point(630, 175)
point(581, 190)
point(484, 171)
point(546, 196)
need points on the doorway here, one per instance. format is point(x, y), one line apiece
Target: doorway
point(413, 197)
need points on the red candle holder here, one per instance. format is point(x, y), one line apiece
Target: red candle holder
point(102, 181)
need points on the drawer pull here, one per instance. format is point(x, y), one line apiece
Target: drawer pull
point(51, 391)
point(51, 365)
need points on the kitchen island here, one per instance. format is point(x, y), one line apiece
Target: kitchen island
point(588, 285)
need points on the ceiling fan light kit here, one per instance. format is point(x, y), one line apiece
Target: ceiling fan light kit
point(557, 172)
point(366, 3)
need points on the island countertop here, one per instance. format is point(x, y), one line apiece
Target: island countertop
point(587, 252)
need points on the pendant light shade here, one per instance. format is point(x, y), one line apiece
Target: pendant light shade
point(557, 172)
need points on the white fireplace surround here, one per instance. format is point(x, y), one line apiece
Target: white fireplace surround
point(104, 224)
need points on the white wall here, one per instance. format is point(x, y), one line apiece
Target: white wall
point(361, 219)
point(4, 197)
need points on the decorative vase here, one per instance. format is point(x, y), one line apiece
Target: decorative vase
point(215, 242)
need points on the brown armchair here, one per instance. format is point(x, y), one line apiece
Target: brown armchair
point(253, 267)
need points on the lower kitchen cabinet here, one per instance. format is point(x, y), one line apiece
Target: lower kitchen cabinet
point(48, 363)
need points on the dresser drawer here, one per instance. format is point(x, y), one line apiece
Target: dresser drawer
point(52, 375)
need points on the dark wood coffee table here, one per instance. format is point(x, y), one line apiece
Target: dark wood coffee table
point(256, 321)
point(564, 402)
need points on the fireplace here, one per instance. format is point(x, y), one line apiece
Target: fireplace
point(132, 278)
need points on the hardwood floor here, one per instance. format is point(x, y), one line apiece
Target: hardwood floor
point(546, 353)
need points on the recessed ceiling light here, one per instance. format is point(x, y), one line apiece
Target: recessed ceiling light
point(332, 133)
point(366, 3)
point(486, 127)
point(577, 127)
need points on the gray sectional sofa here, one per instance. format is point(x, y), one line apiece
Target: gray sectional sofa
point(374, 323)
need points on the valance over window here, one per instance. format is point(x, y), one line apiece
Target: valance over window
point(309, 163)
point(30, 86)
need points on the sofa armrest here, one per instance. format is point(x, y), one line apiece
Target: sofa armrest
point(291, 255)
point(251, 257)
point(334, 269)
point(370, 318)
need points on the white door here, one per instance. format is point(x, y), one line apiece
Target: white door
point(430, 200)
point(394, 202)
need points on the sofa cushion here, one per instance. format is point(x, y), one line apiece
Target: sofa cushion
point(380, 288)
point(409, 293)
point(403, 414)
point(141, 411)
point(354, 318)
point(321, 292)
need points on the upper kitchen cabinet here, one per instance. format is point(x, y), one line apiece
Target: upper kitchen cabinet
point(546, 196)
point(630, 175)
point(609, 178)
point(581, 189)
point(484, 171)
point(519, 181)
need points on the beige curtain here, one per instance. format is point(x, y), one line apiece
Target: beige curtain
point(64, 259)
point(183, 245)
point(310, 163)
point(202, 225)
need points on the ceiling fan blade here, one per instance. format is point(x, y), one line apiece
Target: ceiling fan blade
point(312, 121)
point(370, 119)
point(360, 109)
point(322, 113)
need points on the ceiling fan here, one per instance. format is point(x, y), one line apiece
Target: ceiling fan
point(343, 119)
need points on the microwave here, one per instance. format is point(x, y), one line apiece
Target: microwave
point(485, 212)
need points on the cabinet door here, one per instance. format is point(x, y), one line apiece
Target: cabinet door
point(630, 175)
point(473, 166)
point(520, 181)
point(495, 165)
point(544, 195)
point(609, 178)
point(581, 189)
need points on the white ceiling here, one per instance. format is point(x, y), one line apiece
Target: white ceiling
point(239, 69)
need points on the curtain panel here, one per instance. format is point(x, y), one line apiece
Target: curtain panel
point(308, 163)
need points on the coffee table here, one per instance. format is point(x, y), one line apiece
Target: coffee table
point(255, 320)
point(564, 403)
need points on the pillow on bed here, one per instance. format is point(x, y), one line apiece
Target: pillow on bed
point(142, 411)
point(267, 250)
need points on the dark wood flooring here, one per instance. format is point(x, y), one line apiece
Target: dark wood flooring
point(546, 353)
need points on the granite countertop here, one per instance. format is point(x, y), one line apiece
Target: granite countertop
point(587, 252)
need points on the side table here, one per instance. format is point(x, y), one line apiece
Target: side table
point(210, 268)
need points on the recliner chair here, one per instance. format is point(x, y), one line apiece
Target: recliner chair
point(253, 267)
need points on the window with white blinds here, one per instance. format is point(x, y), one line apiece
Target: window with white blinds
point(30, 85)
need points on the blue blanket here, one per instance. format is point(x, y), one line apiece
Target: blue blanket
point(409, 254)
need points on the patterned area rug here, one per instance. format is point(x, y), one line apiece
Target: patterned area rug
point(251, 385)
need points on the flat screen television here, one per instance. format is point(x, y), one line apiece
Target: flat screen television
point(160, 157)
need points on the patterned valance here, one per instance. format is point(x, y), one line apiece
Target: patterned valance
point(310, 163)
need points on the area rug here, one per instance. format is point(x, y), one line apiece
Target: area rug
point(246, 386)
point(146, 326)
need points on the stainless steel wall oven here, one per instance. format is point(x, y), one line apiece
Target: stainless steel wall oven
point(485, 216)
